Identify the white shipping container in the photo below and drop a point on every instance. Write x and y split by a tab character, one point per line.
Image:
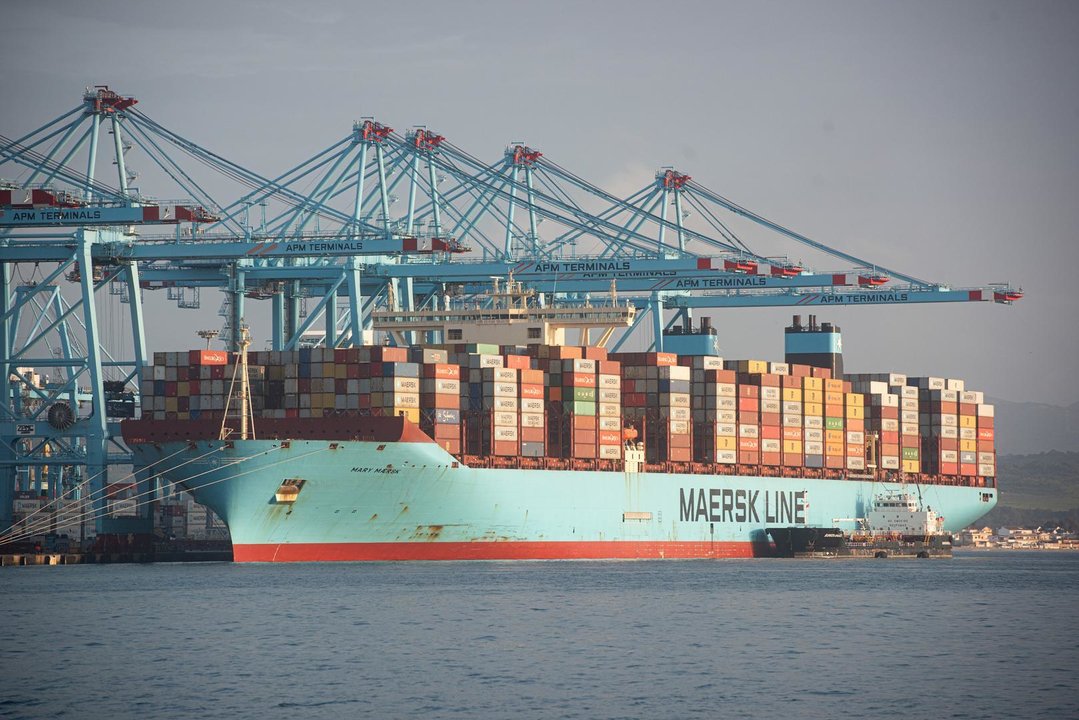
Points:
727	416
609	382
505	433
748	431
508	419
909	404
679	413
986	458
790	420
769	393
609	423
771	406
814	421
968	433
855	463
610	452
854	437
889	462
986	411
955	384
531	405
779	368
727	457
814	448
726	429
573	365
814	435
609	409
675	372
504	404
532	419
770	445
791	407
948	432
500	389
889	425
909	416
609	396
987	470
909	428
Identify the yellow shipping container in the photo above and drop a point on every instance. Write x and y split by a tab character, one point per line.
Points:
833	385
792	395
340	372
911	466
834	449
328	370
833	398
834	436
170	404
855	399
968	421
813	408
183	389
968	446
793	447
855	413
812	383
814	396
724	442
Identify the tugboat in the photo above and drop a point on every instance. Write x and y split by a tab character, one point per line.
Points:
895	526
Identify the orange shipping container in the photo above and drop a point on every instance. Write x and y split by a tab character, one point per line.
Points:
207	357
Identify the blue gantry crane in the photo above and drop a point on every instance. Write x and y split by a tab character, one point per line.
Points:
379	219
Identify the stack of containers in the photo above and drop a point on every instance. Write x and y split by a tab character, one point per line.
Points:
835	445
500	402
576	385
882	418
656	395
968	425
792	409
854	418
813	421
768	420
440	400
749	408
939	425
909	437
987	456
395	383
609	409
714	410
530	407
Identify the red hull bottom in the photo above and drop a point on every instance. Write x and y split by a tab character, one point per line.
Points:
514	550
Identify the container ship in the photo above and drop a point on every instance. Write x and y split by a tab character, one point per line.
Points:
546	450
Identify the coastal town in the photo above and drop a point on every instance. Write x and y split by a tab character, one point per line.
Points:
1018	538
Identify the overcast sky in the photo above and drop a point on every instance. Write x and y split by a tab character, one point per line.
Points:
941	139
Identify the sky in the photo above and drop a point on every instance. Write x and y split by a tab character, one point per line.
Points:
936	138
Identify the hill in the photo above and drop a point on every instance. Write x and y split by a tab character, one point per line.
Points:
1037	489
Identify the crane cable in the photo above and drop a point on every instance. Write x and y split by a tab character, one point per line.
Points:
95	514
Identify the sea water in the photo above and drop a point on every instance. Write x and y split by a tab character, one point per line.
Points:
985	634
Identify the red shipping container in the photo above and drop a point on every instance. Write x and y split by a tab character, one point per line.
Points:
517	362
985	446
340	356
535	392
773	432
442	371
609	367
194	387
170	389
720	376
889	437
303	385
533	434
364	370
821	373
985	434
383	353
183	404
183	373
748	391
450	445
584	422
855	425
634	399
968	409
505	448
292	413
610	437
594	353
792	433
446	431
340	387
582	437
889	449
968	469
749	418
531	377
679	454
771	419
578	380
745	443
554	394
749	457
748	404
680	441
835	462
793	459
207	357
441	401
771	458
584	451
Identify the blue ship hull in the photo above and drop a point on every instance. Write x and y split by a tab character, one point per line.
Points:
361	500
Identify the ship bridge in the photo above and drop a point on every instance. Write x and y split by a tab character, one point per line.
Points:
509	314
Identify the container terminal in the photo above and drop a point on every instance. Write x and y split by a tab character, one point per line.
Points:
510	322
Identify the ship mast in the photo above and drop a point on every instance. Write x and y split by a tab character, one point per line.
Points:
246	408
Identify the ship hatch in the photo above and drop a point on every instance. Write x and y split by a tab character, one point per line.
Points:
289	490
